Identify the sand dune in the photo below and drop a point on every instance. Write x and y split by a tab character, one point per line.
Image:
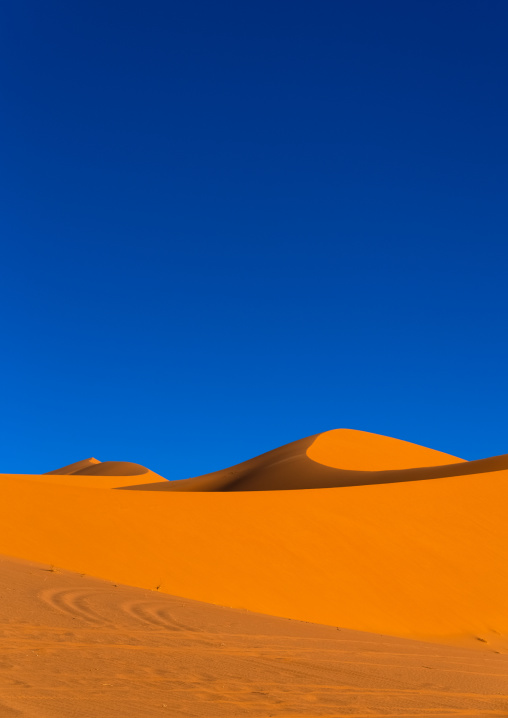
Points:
75	468
100	474
75	647
93	467
333	459
411	558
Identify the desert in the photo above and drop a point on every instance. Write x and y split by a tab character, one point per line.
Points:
343	574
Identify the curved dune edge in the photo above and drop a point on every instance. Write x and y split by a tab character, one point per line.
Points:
93	467
92	473
76	468
295	466
365	451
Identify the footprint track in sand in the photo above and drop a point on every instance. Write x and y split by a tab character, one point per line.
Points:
73	602
76	603
149	613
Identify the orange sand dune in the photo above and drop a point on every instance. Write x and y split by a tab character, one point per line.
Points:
334	459
99	474
413	558
93	467
76	468
78	647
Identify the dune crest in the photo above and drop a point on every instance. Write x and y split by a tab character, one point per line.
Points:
364	451
93	467
99	474
331	460
75	468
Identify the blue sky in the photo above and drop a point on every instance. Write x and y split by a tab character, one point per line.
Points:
227	226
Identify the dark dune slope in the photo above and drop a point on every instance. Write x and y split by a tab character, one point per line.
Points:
92	467
290	467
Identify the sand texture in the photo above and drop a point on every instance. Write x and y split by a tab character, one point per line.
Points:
346	529
75	647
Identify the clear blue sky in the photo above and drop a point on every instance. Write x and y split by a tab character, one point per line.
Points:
229	225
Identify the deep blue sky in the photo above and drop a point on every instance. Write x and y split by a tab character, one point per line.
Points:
229	225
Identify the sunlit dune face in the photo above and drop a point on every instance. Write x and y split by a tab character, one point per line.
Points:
362	451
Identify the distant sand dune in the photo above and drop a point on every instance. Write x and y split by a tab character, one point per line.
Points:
75	468
93	467
332	460
99	474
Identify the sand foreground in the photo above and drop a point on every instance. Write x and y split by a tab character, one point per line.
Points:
75	647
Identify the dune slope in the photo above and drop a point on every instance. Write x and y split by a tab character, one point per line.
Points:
333	459
100	474
75	647
420	559
93	467
76	468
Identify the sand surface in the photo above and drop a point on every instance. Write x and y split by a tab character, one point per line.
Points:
76	647
404	541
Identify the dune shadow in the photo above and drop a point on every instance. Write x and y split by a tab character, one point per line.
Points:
288	468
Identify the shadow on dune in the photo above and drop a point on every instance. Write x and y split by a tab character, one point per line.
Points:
289	468
93	467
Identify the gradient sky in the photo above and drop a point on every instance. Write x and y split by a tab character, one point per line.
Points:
230	225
